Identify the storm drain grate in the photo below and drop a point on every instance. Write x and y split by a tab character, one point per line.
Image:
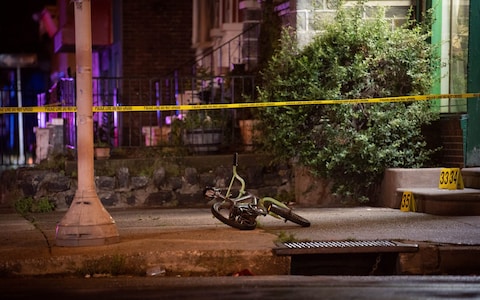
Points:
339	244
318	247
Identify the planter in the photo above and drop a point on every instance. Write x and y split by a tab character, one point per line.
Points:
155	135
249	133
101	153
203	140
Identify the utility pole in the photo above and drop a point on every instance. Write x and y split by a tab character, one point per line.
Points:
86	222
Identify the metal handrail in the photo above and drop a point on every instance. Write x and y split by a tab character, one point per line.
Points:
194	63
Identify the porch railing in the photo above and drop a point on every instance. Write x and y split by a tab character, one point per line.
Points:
132	129
240	50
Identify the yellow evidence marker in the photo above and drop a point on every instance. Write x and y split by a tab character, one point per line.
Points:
451	179
408	202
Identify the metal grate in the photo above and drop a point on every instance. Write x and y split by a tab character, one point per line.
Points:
329	247
339	244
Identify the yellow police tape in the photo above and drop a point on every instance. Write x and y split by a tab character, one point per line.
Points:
59	109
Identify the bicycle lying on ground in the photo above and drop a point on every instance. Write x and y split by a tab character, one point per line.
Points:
241	208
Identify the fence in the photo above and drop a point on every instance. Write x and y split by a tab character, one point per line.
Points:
132	129
140	129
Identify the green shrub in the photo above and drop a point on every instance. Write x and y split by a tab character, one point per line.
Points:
113	265
351	143
23	206
28	205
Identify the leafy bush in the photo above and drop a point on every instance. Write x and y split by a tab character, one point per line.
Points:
112	265
27	205
352	144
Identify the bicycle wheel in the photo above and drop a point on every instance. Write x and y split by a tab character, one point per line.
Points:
223	212
289	215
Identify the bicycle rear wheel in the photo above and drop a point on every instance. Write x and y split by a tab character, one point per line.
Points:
223	212
289	215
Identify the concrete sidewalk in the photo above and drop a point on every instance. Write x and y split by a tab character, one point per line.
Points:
190	242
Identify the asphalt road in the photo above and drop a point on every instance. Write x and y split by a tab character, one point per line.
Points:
248	287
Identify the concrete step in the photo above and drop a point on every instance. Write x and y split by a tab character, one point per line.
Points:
435	201
429	198
471	177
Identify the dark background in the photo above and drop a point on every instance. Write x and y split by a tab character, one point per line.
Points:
19	32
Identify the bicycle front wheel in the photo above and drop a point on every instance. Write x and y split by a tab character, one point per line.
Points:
289	215
223	212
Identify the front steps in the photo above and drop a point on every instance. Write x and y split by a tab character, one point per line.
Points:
429	198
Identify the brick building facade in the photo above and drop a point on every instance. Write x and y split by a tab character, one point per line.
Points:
156	36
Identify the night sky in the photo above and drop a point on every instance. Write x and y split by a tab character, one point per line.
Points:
18	31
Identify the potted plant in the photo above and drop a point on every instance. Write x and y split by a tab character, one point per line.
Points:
249	125
203	130
250	132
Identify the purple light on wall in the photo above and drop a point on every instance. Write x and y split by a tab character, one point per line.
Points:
115	118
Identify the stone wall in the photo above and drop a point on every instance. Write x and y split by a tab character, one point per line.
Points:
165	182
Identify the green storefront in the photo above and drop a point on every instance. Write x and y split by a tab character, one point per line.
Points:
456	33
473	86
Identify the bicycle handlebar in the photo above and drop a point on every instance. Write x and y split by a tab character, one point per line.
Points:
236	176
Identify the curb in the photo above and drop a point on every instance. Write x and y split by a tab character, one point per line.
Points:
171	263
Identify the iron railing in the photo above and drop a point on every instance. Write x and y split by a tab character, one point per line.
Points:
132	128
154	128
241	51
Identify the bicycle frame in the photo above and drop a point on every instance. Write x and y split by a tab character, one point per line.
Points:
256	201
242	210
237	177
